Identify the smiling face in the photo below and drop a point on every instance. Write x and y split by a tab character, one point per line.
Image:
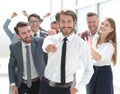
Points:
92	22
34	24
106	27
66	24
25	34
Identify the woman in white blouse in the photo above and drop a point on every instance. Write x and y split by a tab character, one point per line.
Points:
104	53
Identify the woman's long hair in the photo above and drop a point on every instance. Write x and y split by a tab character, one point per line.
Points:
112	37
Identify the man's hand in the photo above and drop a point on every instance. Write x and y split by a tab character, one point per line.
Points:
46	15
52	32
25	13
73	90
13	15
51	48
14	90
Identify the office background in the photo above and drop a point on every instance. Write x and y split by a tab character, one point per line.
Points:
104	8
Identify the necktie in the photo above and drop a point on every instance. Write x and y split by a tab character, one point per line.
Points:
63	57
29	82
35	34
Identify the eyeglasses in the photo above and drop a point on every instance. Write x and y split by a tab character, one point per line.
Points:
34	21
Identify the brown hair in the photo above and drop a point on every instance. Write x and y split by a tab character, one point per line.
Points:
36	16
20	24
53	22
89	14
66	12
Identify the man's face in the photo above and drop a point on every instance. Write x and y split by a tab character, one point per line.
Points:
55	27
34	24
25	34
92	24
66	24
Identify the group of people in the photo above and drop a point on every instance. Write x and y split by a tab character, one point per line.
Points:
102	42
95	48
34	21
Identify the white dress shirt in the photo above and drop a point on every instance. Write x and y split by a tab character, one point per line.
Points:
77	53
37	34
34	73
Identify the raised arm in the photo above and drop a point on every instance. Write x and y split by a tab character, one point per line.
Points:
6	25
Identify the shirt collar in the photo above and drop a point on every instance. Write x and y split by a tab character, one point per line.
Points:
23	44
70	37
38	33
94	34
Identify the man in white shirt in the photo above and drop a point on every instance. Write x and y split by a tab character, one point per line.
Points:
77	52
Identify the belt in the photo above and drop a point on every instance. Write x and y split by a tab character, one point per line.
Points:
33	80
59	85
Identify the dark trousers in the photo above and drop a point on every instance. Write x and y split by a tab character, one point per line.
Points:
46	89
101	81
34	89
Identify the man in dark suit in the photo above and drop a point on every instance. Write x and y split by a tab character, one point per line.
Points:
17	67
34	21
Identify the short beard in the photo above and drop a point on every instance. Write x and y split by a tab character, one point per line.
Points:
27	41
66	33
